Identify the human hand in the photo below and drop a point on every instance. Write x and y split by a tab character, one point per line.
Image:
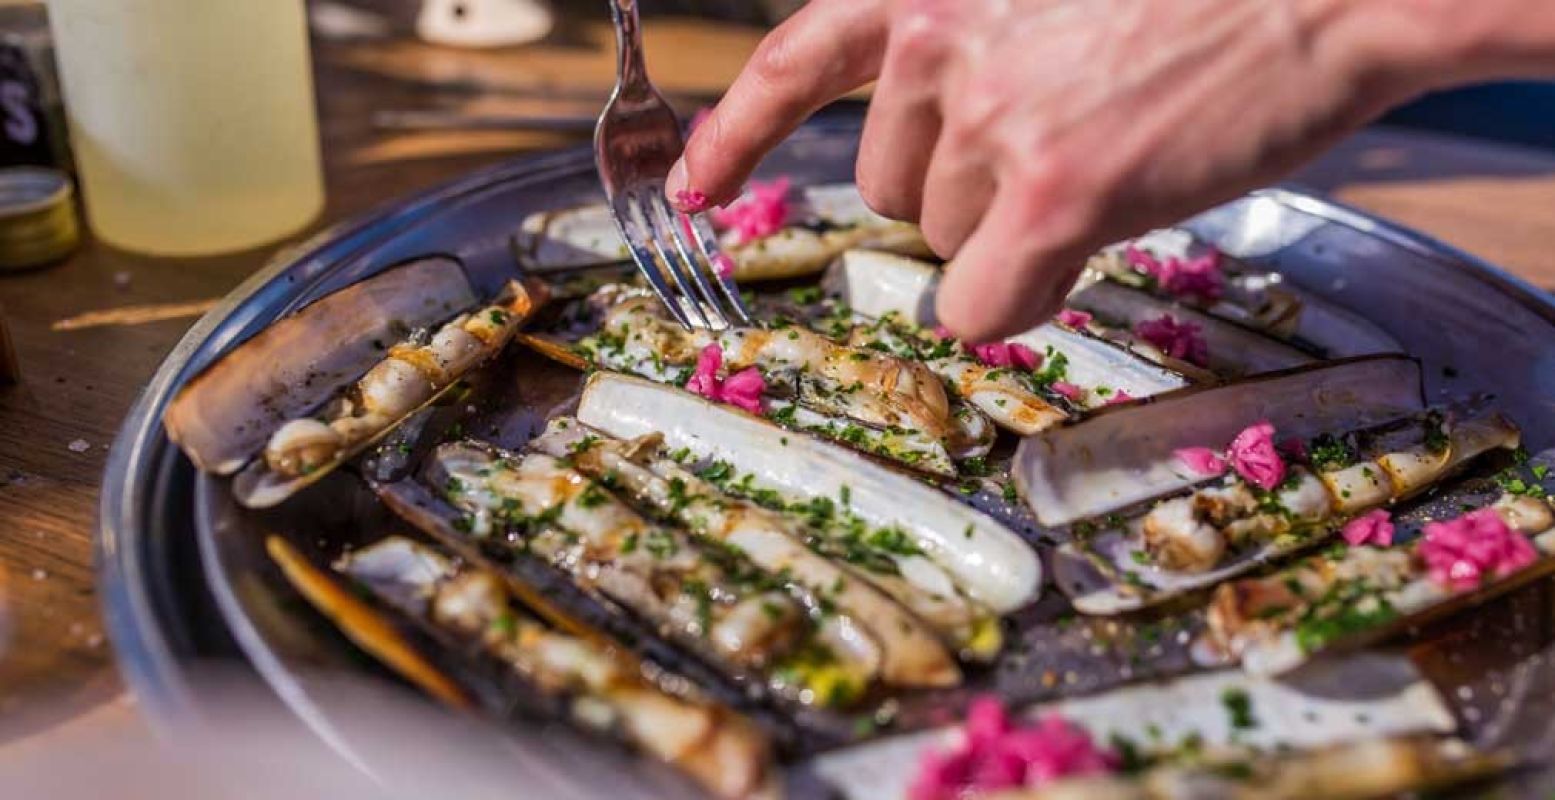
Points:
1024	134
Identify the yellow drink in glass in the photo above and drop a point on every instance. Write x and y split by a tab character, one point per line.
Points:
192	121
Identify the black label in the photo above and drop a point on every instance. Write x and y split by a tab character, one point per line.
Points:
24	135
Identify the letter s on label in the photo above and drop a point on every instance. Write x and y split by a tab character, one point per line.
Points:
20	123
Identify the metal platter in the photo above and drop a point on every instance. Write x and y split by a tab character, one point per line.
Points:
186	582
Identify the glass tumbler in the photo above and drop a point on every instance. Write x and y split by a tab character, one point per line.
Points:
192	121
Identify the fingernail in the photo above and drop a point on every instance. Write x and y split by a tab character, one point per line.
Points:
675	182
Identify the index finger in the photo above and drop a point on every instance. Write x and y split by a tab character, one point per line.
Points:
828	49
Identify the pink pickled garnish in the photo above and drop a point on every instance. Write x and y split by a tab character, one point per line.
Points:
1198	278
1181	340
1142	261
743	389
1119	396
1464	552
691	201
1253	456
1007	354
1201	460
723	265
1067	390
942	332
995	754
1073	318
1024	357
704	379
760	214
1375	528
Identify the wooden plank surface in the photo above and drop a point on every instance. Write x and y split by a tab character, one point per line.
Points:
56	425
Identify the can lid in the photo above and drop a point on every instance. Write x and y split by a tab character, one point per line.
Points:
37	217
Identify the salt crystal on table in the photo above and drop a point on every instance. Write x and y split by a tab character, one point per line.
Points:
79	446
121	279
39	574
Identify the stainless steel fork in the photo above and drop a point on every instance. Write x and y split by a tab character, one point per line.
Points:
635	143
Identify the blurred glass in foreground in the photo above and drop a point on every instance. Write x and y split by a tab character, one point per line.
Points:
192	121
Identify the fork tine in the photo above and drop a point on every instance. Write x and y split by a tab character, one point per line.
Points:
625	223
707	242
660	239
679	226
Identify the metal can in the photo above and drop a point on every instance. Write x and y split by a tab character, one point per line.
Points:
37	217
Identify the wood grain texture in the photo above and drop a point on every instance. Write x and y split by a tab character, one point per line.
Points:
56	424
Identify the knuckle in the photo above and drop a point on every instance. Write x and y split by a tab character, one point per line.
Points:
919	38
775	58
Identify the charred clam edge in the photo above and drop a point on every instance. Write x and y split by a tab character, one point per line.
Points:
486	331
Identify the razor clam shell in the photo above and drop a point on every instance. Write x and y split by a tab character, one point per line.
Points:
1094	592
988	561
1124	455
586	236
224	415
257	486
1094	362
876	284
1334	702
1233	349
1337	331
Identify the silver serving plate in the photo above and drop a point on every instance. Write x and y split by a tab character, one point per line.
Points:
186	584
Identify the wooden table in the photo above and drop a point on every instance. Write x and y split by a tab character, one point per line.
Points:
56	426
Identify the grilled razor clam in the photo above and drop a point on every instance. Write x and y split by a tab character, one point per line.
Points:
824	221
413	374
1276	623
956	548
604	688
1180	544
1254	297
998	393
853	614
871	387
756	529
709	601
223	415
874	402
891	301
1355	771
1119	457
